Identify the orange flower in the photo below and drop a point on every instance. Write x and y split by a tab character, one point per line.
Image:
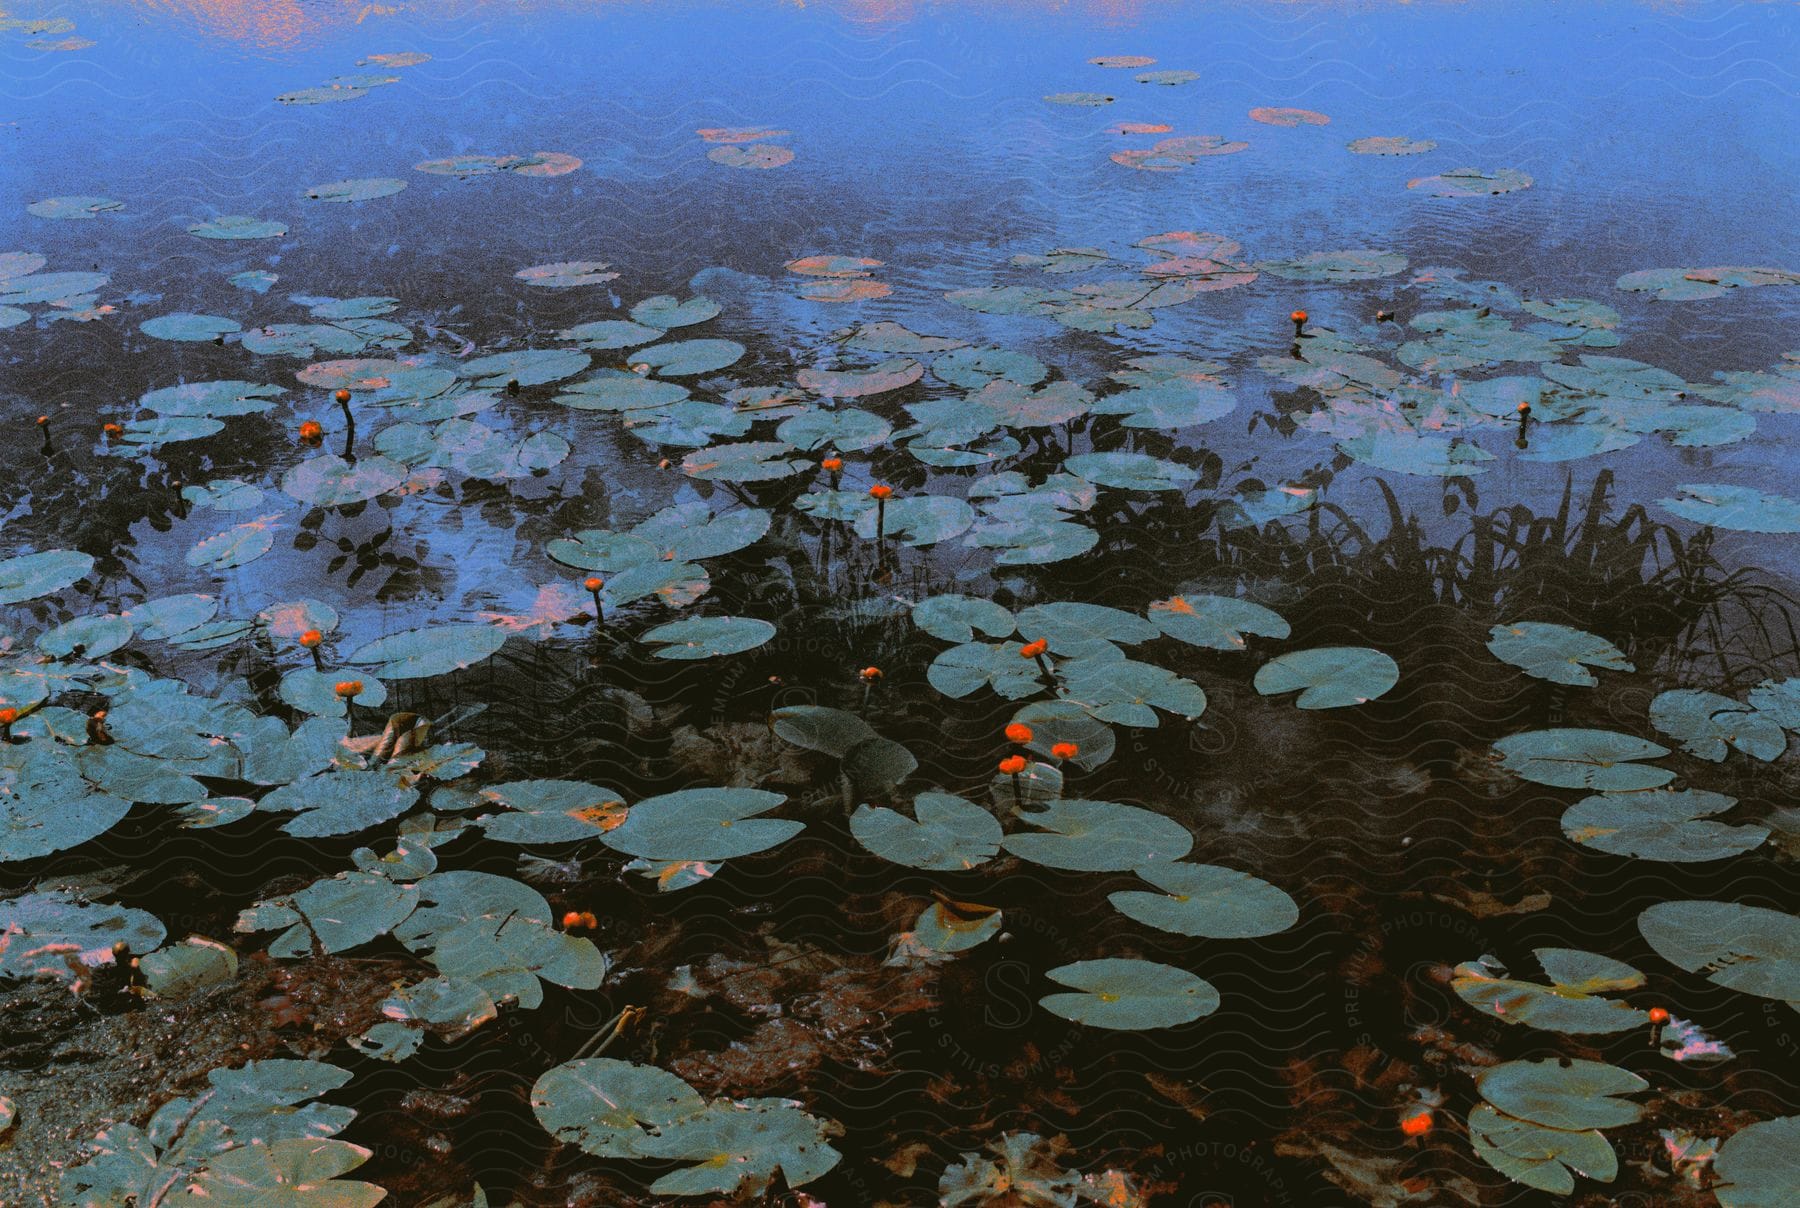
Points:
8	716
1012	765
1031	650
834	464
880	491
1018	732
42	420
593	583
1659	1015
113	430
1298	316
311	431
342	396
1524	408
869	674
311	638
589	920
1417	1124
1065	750
571	920
349	688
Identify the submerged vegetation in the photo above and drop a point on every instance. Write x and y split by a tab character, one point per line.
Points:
655	751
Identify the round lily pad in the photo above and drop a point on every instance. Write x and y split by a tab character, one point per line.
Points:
702	824
708	637
437	650
74	207
365	189
1207	900
238	226
190	327
1663	824
1329	677
1129	995
949	834
1584	759
1555	652
1098	836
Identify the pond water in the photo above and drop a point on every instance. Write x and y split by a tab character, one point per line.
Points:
1433	361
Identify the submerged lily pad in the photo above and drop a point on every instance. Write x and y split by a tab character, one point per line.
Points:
1129	995
1355	264
1329	677
74	207
330	481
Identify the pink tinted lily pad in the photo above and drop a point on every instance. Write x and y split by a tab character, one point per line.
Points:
844	291
1139	128
755	155
833	266
1277	116
726	135
1121	60
1391	145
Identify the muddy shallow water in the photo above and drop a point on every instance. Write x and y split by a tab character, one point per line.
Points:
1356	470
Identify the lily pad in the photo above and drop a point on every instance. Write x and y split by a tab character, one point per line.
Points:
1743	509
1747	948
1131	471
1545	1158
755	155
1759	1165
238	226
43	928
330	481
1584	759
1207	900
365	189
28	576
1215	622
949	834
702	824
437	650
1555	652
1706	724
664	311
1567	1094
708	637
1098	836
74	207
1472	182
1329	677
1570	1003
567	274
1129	995
1391	144
1278	116
1662	824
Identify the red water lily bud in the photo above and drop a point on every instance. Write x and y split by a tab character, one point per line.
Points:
1659	1015
571	920
593	583
1018	732
113	430
1031	650
1417	1124
869	674
8	716
342	396
1012	765
311	638
311	432
349	688
880	491
833	464
1065	750
1298	316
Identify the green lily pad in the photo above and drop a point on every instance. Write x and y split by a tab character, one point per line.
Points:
340	913
74	207
567	274
708	637
1662	824
1584	759
1568	1094
1098	836
1329	677
339	803
957	618
315	692
94	637
949	834
1695	284
189	327
1391	144
665	311
1088	100
1570	1003
29	576
1129	995
365	189
759	156
437	650
1545	1158
1131	471
1215	622
605	334
529	367
1743	509
746	461
49	807
1207	900
1128	693
238	226
889	375
1759	1165
920	519
330	481
845	431
1167	79
212	399
702	824
1745	948
1706	724
42	928
236	546
973	368
1555	652
48	287
293	1173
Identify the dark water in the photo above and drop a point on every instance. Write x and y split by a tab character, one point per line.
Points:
1656	136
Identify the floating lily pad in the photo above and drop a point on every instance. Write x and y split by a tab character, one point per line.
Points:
1098	836
42	928
1567	1094
949	834
605	334
1745	948
234	547
74	207
1662	824
550	811
957	618
183	326
747	461
1277	116
920	519
437	650
753	155
1571	1002
1167	79
1129	995
1706	724
1085	99
1694	284
1131	471
1329	677
1584	759
28	576
48	287
1391	145
860	383
365	189
1759	1165
1555	652
567	274
1545	1158
684	358
529	367
326	94
330	481
1743	509
1215	622
1207	900
708	637
1472	182
238	226
339	803
702	824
